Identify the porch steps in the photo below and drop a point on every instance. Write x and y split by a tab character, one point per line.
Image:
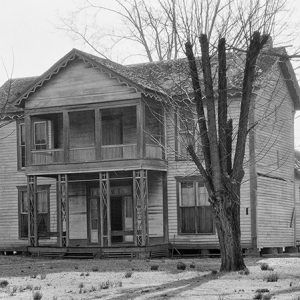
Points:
78	255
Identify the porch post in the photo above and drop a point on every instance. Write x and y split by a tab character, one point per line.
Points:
62	210
66	132
140	118
32	210
105	224
165	207
140	195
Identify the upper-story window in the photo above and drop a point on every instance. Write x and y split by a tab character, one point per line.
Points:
194	211
40	135
21	145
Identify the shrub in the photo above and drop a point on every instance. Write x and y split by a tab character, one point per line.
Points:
265	267
154	267
244	271
43	276
37	295
214	272
181	266
81	285
272	277
192	266
128	274
29	287
95	269
3	283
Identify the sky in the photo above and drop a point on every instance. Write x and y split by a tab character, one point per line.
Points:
31	40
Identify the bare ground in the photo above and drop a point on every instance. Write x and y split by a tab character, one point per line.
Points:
134	279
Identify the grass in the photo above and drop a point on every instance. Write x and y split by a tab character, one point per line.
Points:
154	267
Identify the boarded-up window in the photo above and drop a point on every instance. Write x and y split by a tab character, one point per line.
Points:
195	215
43	217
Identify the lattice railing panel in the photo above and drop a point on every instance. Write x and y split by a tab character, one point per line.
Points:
62	194
32	210
141	196
105	237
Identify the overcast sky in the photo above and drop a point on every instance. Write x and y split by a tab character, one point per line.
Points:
31	41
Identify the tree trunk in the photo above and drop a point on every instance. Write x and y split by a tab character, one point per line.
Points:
226	210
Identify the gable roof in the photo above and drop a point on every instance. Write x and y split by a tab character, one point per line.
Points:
157	78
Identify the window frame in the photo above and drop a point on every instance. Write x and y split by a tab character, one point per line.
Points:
196	180
23	188
20	162
46	135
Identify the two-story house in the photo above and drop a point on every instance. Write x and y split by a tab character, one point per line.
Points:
92	158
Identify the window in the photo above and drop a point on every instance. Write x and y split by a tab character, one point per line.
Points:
43	215
187	132
40	135
195	215
21	146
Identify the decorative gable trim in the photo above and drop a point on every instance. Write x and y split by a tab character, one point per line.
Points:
71	56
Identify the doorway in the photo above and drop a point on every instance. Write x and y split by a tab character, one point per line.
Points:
116	219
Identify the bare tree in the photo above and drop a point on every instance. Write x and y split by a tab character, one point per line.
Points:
159	30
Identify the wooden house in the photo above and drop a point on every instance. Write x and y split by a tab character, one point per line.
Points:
91	158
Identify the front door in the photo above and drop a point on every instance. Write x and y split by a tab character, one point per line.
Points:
117	219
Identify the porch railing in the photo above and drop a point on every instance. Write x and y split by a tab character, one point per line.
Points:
126	151
82	154
49	156
154	151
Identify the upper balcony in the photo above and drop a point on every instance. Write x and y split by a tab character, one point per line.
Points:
98	134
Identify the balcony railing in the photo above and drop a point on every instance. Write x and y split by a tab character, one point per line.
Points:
49	156
88	154
82	154
127	151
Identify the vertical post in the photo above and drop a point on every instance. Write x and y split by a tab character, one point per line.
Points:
98	134
66	132
105	227
32	210
140	118
141	196
134	208
165	207
63	211
28	137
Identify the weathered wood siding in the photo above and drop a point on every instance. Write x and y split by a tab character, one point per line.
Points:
155	204
274	144
10	178
79	84
297	210
187	168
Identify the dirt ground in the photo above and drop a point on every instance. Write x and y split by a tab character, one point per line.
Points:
26	277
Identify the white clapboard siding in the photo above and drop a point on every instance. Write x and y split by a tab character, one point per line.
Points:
10	178
297	209
187	168
155	204
274	146
79	84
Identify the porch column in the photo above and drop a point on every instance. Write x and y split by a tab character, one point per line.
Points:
66	132
62	210
140	198
32	210
165	207
140	118
105	224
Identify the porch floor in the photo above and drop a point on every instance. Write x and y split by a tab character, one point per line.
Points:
124	251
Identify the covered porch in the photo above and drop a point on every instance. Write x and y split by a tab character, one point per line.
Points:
103	210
